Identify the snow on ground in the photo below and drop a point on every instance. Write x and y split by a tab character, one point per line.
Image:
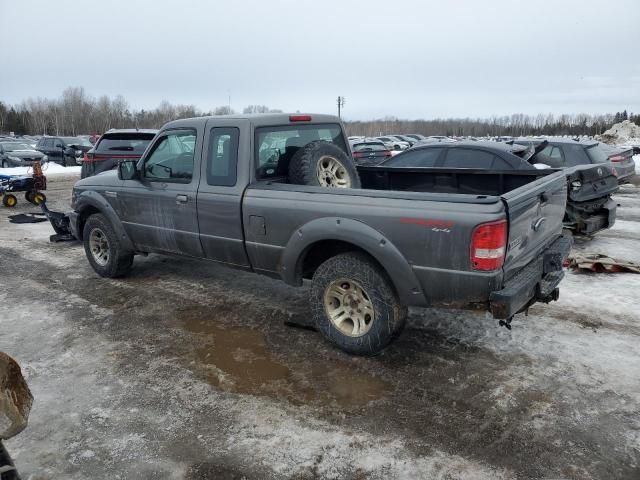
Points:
50	169
636	158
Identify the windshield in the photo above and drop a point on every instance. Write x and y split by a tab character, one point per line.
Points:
596	154
11	147
368	147
276	145
83	142
124	142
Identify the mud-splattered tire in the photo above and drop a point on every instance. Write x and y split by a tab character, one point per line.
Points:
103	249
355	270
323	164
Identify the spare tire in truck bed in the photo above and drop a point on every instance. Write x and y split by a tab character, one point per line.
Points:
323	164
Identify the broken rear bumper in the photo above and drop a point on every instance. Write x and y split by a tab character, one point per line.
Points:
537	282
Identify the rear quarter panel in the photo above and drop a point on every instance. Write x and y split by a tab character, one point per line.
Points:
432	232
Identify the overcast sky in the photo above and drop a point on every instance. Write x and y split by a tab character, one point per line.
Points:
406	58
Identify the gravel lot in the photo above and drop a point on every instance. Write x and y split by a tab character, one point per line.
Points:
187	370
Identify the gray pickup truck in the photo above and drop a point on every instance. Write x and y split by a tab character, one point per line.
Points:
251	192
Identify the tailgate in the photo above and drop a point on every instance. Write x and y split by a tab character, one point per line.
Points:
535	212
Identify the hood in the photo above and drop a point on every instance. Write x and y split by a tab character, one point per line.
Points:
103	179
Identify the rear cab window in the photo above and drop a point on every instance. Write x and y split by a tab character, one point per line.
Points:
122	143
276	145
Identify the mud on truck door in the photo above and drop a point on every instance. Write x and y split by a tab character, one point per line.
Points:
159	209
222	184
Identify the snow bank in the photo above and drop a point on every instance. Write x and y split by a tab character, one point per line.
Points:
623	133
49	169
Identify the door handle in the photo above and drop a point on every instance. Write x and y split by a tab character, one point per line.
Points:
181	199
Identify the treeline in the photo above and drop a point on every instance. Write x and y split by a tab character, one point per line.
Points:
511	125
76	113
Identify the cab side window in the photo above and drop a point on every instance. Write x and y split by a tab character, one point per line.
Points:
222	161
171	158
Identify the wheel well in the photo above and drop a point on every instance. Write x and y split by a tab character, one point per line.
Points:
319	252
85	213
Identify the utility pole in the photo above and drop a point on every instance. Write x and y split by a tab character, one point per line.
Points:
340	102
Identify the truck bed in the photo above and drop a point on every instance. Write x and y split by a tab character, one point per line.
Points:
427	216
447	180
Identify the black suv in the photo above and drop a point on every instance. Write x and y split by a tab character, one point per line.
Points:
114	146
64	150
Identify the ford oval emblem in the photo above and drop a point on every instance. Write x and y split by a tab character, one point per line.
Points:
599	171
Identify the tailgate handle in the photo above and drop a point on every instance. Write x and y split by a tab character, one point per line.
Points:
538	224
544	197
181	199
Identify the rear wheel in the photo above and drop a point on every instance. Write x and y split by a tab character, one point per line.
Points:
103	249
28	196
9	200
355	305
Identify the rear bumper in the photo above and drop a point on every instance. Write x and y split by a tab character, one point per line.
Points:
537	282
592	223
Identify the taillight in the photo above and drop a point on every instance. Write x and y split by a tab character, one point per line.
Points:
387	153
358	154
488	245
299	118
85	157
617	158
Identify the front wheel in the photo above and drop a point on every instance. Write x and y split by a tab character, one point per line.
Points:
355	305
103	249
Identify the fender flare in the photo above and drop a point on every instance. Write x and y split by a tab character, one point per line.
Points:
360	235
93	199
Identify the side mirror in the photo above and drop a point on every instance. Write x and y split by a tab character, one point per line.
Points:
127	170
